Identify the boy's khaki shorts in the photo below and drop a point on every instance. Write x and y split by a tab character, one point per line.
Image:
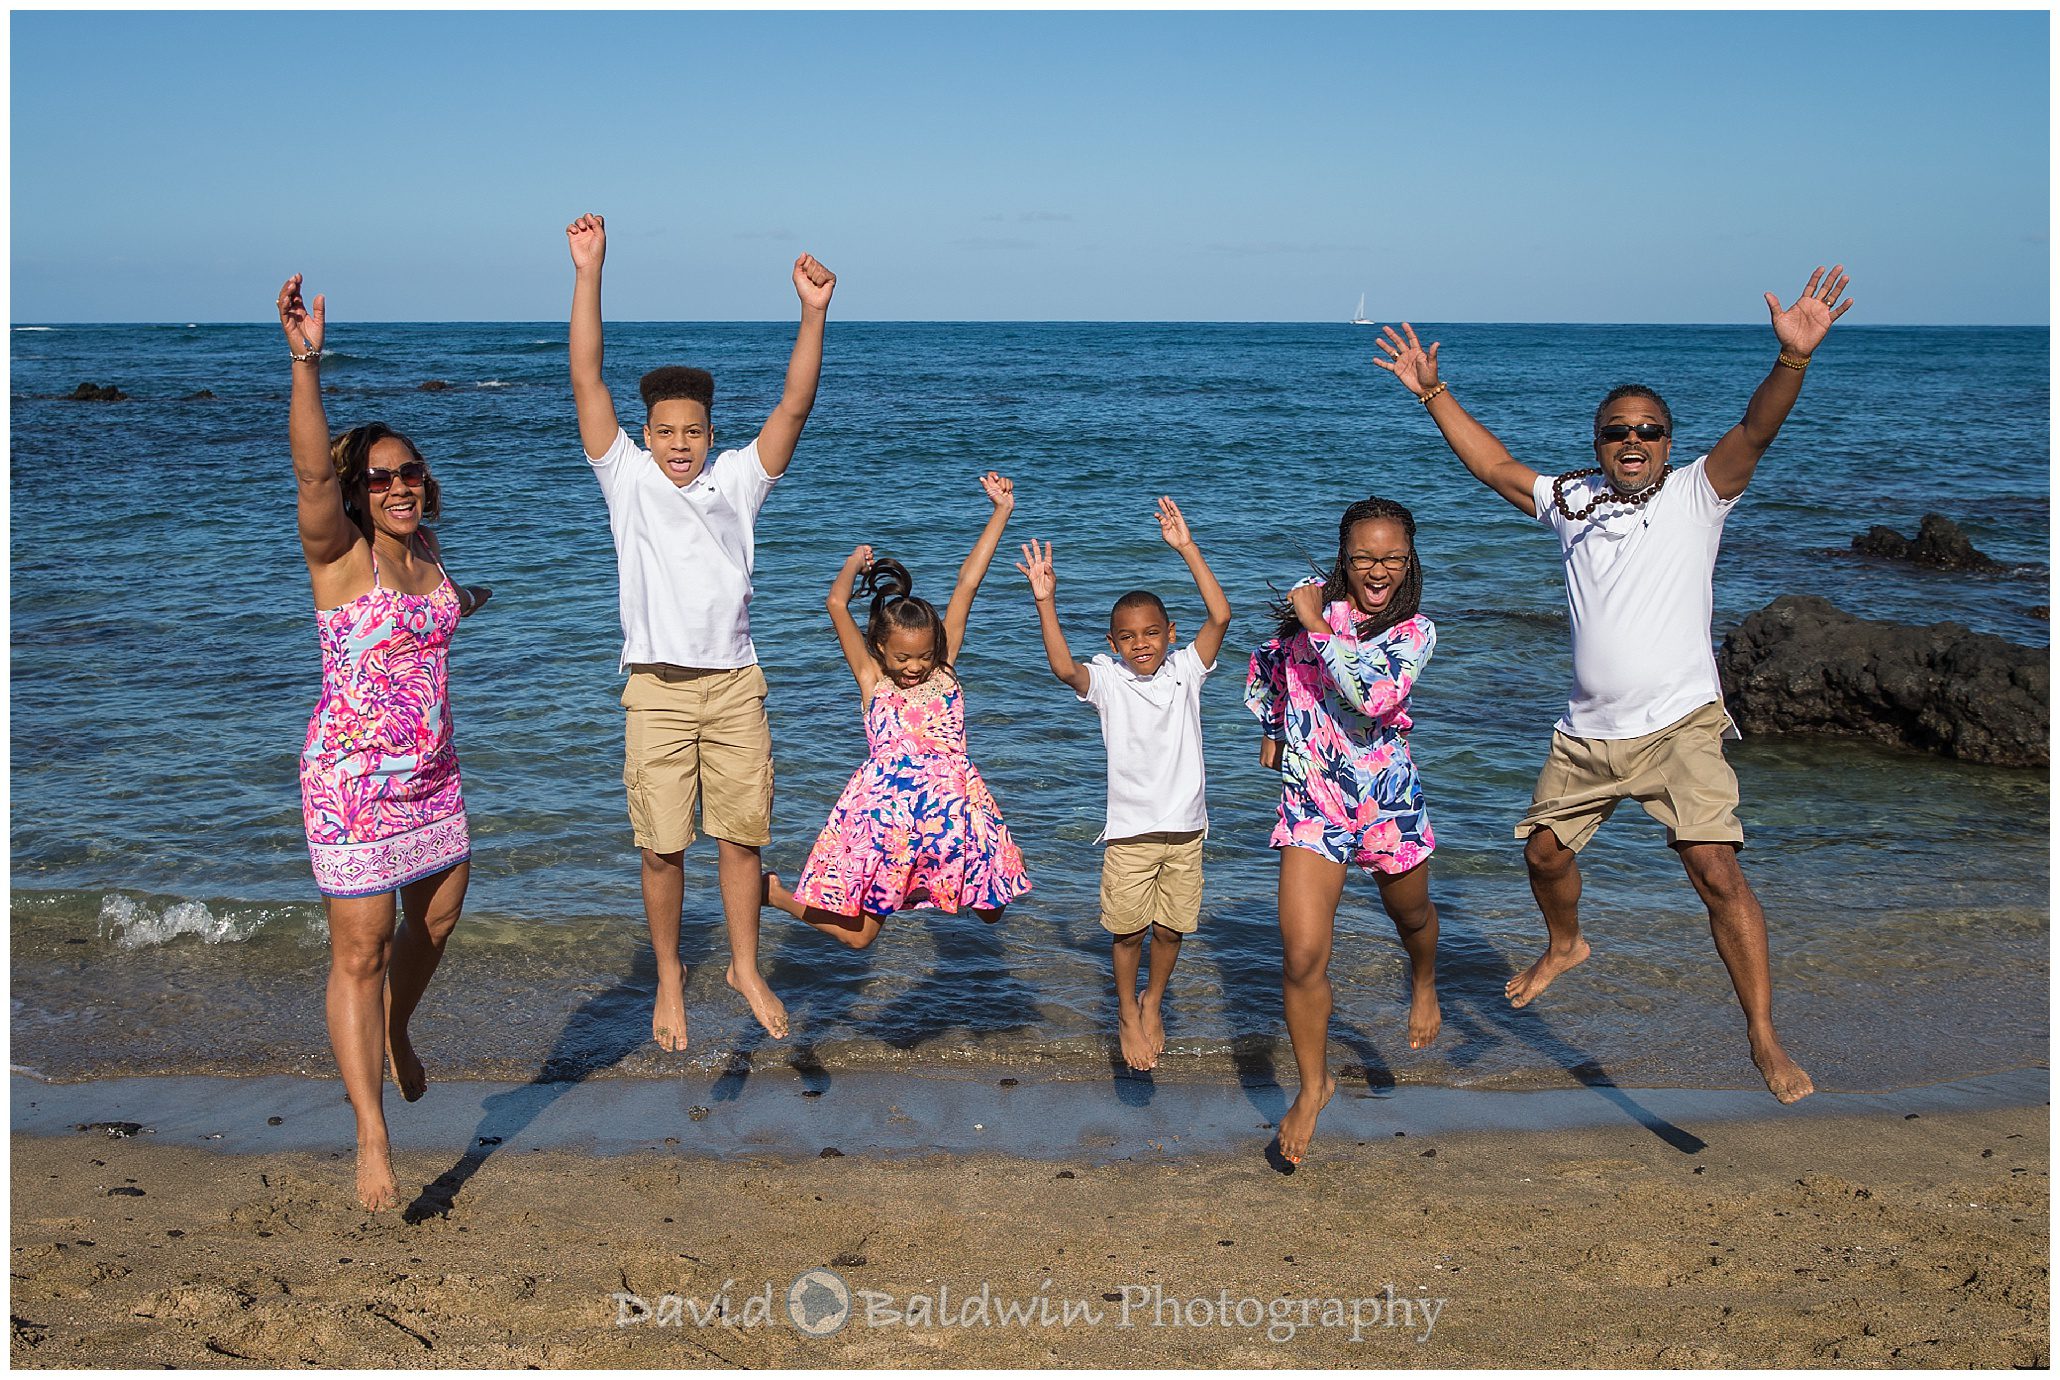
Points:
1152	879
1677	773
690	735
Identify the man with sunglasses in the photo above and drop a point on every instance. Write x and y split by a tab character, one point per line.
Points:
1645	719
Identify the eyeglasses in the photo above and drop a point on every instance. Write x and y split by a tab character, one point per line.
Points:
414	474
1617	431
1390	565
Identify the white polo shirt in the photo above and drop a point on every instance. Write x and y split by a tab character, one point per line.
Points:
683	555
1152	727
1639	598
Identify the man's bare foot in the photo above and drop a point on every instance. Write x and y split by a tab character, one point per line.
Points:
1154	1026
776	895
376	1191
1785	1078
669	1012
408	1073
1137	1046
1299	1122
1524	988
1425	1019
769	1009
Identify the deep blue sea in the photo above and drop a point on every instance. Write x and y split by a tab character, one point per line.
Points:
164	663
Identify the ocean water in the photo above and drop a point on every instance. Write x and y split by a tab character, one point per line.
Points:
164	663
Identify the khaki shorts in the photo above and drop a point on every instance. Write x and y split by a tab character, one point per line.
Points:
1678	774
691	735
1152	879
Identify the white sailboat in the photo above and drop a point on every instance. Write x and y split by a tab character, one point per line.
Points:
1359	317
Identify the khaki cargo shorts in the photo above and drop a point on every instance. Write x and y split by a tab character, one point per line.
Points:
697	735
1677	773
1152	879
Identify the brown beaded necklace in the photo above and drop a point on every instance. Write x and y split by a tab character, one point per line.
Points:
1608	494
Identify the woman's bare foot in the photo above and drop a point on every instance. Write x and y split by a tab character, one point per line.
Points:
769	1009
1425	1019
1785	1078
1154	1026
376	1191
669	1012
408	1074
1137	1046
1524	988
779	897
1298	1124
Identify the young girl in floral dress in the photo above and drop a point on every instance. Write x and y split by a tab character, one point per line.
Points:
916	826
1331	691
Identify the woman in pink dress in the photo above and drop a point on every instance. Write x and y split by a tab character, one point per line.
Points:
916	826
379	782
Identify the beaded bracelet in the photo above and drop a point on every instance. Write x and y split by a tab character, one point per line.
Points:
309	358
1796	364
1425	398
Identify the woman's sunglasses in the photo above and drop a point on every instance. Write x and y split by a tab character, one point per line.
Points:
1617	431
414	474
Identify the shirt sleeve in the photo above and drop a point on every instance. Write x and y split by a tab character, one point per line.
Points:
1375	677
1703	500
610	462
1266	688
1541	499
742	476
1204	669
1098	673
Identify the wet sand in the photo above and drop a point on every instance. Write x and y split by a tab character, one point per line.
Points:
1863	1234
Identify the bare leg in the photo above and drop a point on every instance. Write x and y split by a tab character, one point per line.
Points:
664	891
1125	953
1556	882
1406	897
1165	953
1740	928
360	943
430	908
737	868
852	931
1309	890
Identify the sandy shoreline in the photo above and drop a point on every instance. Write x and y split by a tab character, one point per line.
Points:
1682	1238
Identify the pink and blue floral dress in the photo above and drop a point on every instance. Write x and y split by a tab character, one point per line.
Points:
1339	707
916	825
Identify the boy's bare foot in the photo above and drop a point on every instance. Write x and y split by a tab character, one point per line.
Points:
774	893
1154	1027
1425	1019
1524	988
1785	1078
376	1191
669	1012
1299	1122
408	1073
1137	1046
769	1009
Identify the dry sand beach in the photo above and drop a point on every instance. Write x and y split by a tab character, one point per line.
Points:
1893	1238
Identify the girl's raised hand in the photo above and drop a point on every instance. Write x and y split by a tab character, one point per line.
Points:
1001	492
1172	526
1036	567
587	238
860	558
302	324
1307	602
1409	361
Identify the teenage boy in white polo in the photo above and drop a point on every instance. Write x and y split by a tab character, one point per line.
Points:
694	708
1645	720
1150	704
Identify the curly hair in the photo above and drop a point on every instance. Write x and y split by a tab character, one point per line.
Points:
677	381
1408	594
350	455
889	583
1633	390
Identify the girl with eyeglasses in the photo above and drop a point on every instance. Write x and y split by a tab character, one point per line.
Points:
380	794
1331	691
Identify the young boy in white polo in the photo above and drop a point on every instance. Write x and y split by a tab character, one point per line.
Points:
1150	704
694	708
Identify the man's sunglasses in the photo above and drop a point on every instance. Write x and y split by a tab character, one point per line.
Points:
414	474
1617	431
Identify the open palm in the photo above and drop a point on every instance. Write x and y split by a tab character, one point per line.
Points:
1801	328
1407	359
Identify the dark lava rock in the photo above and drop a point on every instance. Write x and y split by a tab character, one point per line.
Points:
1803	665
433	386
113	1130
204	395
93	392
1940	544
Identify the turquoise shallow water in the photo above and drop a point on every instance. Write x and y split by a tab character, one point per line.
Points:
164	662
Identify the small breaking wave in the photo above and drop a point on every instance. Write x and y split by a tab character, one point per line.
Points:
35	328
132	924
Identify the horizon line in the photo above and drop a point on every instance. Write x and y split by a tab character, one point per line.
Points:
1026	321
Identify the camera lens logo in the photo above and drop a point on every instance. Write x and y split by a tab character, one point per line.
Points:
819	1303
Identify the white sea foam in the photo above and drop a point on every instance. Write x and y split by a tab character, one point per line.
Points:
133	925
494	383
35	328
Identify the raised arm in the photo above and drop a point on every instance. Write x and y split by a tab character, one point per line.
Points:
1485	457
587	238
863	668
1002	494
1173	527
1373	680
782	431
326	535
1799	330
1044	587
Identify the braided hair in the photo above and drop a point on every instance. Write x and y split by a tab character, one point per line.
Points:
889	583
1408	594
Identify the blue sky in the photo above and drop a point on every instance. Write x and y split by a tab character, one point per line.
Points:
1057	166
